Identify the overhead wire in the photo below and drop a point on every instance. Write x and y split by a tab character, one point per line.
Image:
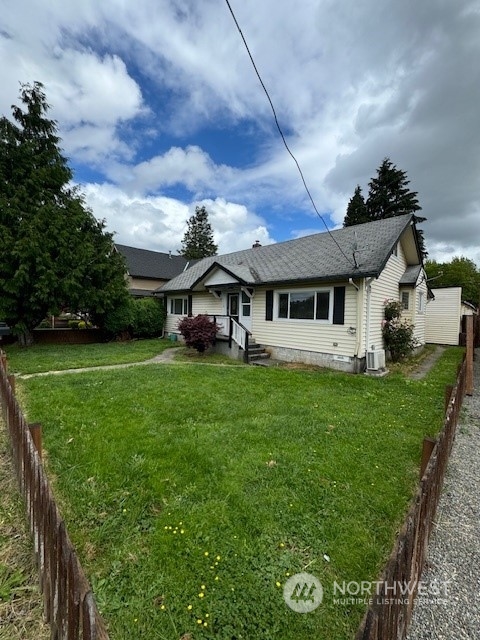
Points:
283	137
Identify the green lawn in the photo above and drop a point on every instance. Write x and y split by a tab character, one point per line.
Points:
46	357
193	493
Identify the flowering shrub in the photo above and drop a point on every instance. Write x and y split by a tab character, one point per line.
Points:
397	333
199	332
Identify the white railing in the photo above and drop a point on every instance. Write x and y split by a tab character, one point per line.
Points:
223	322
239	334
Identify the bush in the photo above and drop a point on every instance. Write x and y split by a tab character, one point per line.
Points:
148	318
199	332
139	318
397	333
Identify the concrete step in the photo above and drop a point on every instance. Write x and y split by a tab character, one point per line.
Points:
261	355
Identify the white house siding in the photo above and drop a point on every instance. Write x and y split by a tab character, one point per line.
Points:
202	303
384	287
443	316
295	339
207	303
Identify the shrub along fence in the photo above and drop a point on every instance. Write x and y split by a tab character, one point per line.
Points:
390	613
70	608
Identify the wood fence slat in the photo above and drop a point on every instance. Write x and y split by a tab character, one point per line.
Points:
69	605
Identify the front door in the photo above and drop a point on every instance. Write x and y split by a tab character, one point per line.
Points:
233	304
240	308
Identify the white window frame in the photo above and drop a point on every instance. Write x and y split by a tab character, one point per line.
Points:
422	304
403	301
184	300
276	306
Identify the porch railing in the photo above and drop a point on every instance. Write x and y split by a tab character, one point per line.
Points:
239	334
233	330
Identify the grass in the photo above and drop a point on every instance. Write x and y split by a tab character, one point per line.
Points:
193	493
21	609
40	358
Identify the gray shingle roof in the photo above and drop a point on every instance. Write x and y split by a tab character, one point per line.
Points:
142	263
314	257
410	276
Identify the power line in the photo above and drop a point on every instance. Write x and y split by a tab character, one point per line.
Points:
283	137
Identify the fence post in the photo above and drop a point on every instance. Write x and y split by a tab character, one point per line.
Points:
36	433
448	394
11	381
427	448
469	357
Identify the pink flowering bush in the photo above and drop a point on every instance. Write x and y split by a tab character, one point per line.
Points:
397	333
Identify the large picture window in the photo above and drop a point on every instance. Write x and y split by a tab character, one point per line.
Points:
305	305
179	306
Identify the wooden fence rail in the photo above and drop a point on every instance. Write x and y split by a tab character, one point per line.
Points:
389	615
70	608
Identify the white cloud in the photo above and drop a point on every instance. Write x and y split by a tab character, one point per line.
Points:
351	82
159	223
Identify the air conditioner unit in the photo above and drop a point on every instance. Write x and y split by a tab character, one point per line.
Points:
376	360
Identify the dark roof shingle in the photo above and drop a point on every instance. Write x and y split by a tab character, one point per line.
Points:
142	263
315	257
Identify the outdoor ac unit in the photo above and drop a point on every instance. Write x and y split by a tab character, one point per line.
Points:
376	360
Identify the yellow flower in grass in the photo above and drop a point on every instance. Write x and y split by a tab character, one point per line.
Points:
201	595
189	607
199	621
279	584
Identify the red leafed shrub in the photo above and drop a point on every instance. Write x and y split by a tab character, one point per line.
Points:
199	332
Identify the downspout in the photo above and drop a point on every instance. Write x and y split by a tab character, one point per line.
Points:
359	318
368	283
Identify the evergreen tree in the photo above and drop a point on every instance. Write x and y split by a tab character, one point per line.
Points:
389	194
356	210
53	252
198	239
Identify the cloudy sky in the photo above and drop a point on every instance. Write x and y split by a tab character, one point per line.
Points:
159	110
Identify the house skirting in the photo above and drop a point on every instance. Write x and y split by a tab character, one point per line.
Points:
235	352
349	364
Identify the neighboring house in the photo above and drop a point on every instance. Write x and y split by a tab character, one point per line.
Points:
148	270
318	299
445	316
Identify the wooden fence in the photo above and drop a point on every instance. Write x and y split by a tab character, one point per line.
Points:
70	608
389	615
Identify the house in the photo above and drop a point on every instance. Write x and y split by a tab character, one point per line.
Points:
148	270
445	316
317	299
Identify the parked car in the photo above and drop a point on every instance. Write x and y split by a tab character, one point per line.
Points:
4	329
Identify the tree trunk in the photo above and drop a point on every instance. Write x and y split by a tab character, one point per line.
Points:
25	339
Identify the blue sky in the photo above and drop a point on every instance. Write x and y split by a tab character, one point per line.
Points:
159	110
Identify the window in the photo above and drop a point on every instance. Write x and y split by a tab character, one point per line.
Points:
305	305
421	302
405	300
246	305
179	306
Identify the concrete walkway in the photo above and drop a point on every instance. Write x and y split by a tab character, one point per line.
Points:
426	364
166	357
453	562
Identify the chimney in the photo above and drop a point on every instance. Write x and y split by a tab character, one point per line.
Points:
170	255
256	244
